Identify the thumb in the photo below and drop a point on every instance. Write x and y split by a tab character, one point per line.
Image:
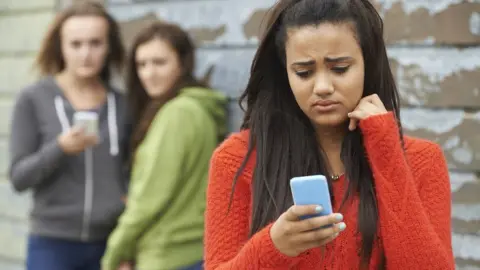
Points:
352	124
76	130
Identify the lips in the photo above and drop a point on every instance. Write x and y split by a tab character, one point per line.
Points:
324	106
325	103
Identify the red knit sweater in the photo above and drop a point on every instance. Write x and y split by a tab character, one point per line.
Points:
413	193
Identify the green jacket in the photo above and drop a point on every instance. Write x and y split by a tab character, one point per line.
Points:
163	223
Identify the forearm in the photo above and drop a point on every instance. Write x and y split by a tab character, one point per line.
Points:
31	170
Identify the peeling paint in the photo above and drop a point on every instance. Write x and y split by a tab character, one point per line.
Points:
433	6
199	14
466	212
463	155
468	267
451	143
475	23
231	68
437	68
438	121
458	179
466	246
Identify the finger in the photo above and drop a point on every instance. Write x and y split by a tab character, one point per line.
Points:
375	100
323	242
77	130
295	212
318	222
352	125
358	115
322	233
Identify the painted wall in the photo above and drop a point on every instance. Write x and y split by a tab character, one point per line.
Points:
434	47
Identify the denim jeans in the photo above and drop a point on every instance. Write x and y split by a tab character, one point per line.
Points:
45	253
196	266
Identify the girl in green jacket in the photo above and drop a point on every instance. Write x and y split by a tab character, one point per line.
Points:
178	124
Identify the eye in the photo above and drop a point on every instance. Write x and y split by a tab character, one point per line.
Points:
340	70
159	61
303	74
96	42
76	44
140	64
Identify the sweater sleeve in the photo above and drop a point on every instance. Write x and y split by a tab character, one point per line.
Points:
227	243
413	201
156	175
30	161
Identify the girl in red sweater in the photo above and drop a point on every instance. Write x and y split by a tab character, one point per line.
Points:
321	99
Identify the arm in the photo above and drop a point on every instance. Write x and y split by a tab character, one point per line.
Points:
227	243
157	172
30	162
414	222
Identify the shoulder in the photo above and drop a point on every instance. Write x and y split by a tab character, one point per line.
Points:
33	90
233	151
176	116
181	106
417	147
422	155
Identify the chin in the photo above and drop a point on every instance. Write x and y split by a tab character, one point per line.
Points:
87	73
155	93
332	120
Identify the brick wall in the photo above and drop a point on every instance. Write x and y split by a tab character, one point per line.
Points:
22	25
434	46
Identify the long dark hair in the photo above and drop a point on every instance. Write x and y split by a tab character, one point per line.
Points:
144	108
283	136
50	59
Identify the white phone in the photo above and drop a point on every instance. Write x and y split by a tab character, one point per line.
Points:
87	120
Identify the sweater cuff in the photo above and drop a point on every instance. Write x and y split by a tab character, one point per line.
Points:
270	256
379	124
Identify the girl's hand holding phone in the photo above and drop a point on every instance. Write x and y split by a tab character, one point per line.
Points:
76	140
291	234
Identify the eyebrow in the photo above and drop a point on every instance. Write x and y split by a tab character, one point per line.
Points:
304	63
327	59
337	59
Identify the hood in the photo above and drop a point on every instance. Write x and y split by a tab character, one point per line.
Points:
214	102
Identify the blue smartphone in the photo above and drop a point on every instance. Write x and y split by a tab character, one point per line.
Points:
313	189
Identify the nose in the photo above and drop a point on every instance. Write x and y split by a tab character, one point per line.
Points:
147	71
85	51
323	85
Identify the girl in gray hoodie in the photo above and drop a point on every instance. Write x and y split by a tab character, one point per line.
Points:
77	178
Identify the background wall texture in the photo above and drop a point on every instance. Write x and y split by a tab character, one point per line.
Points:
434	47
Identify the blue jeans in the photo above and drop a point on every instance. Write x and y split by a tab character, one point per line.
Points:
45	253
196	266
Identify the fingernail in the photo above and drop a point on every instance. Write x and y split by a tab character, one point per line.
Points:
339	217
318	209
342	226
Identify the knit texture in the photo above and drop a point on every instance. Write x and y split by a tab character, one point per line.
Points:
413	193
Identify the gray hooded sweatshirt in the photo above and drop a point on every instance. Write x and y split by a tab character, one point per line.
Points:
75	197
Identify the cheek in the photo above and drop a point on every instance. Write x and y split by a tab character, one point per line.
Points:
101	52
353	89
301	89
69	54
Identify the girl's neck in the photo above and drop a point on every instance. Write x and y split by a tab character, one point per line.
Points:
84	85
330	140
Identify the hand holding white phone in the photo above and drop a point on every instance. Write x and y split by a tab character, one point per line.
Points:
88	121
82	135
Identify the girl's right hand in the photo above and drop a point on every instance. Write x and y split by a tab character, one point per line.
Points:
75	140
291	235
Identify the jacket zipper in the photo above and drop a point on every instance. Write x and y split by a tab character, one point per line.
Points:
88	198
